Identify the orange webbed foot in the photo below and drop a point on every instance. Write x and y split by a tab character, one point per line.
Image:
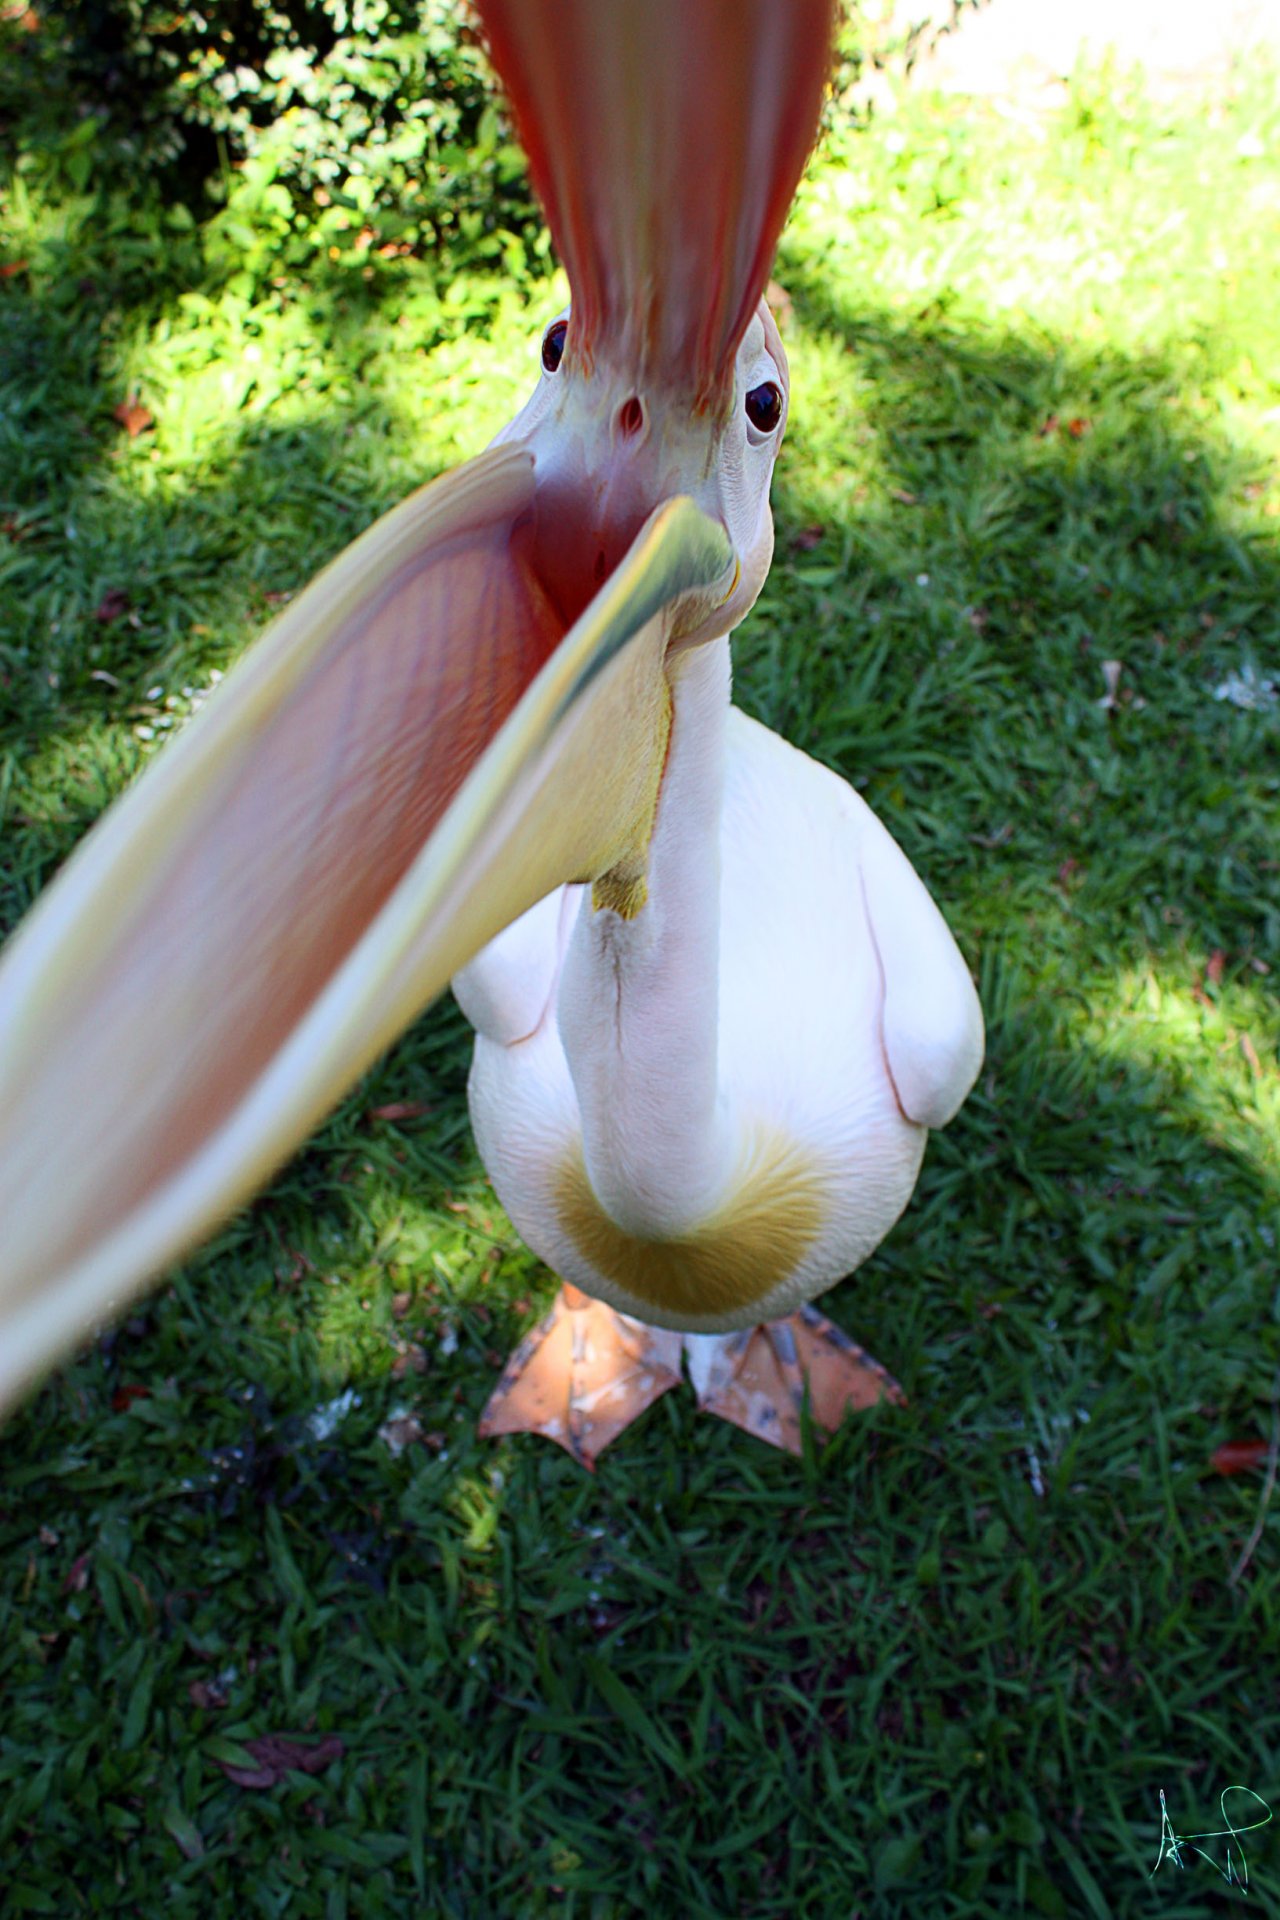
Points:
757	1379
582	1376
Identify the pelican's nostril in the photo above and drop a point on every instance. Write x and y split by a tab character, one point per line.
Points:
630	416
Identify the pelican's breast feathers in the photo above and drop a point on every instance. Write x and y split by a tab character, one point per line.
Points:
823	912
847	1025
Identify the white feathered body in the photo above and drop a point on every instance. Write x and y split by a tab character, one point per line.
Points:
708	1114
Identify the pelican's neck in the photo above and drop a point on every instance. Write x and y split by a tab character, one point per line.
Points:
639	999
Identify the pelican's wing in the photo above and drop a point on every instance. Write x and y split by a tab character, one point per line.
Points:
665	139
933	1035
411	756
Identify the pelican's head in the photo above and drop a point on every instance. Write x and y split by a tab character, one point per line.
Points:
665	139
611	445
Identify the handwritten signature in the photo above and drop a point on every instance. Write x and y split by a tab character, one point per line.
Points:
1173	1845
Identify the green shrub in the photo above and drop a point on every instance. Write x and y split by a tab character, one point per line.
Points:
322	128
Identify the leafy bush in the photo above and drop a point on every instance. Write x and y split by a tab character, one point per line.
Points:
324	128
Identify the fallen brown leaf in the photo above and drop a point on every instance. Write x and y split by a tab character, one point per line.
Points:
412	1360
207	1695
11	267
399	1432
113	603
1216	966
76	1578
279	1754
808	538
133	417
399	1110
1238	1456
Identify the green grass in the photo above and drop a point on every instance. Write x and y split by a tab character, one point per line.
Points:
945	1664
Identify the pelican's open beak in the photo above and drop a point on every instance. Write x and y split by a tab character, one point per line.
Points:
413	754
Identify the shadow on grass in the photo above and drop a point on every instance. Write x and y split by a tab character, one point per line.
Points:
955	1653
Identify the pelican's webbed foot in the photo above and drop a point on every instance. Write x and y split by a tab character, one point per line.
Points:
582	1376
758	1378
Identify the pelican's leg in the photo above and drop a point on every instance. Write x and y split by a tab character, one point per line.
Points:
582	1375
757	1379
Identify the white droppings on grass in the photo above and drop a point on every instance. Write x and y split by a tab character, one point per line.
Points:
449	1342
324	1422
1248	689
1034	1474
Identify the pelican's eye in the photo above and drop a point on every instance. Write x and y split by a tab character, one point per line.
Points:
553	344
763	403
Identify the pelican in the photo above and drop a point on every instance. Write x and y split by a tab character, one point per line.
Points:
716	1011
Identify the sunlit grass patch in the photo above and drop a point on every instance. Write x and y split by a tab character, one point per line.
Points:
946	1662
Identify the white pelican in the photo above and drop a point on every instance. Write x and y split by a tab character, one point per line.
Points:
705	1109
517	682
